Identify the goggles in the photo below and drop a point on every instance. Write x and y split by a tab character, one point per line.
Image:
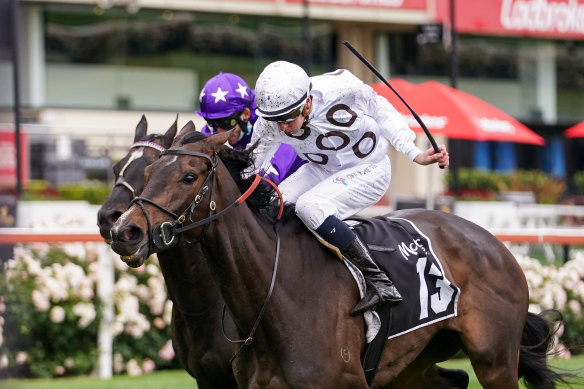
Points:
286	118
225	123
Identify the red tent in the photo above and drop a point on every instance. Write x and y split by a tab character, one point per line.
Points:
576	131
455	114
403	87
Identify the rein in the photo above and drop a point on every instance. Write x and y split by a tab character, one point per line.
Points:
168	230
248	341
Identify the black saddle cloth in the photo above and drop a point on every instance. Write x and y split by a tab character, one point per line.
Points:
401	250
405	254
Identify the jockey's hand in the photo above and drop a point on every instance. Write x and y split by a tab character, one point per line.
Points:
430	156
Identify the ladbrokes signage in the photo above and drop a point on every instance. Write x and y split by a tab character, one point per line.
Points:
542	18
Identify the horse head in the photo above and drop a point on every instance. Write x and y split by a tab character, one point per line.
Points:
178	189
129	173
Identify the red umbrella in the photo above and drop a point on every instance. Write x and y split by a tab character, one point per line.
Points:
576	131
455	114
403	87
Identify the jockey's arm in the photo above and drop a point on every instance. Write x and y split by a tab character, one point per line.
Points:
264	144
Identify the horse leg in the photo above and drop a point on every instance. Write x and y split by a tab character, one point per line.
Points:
430	377
494	357
409	360
454	378
423	373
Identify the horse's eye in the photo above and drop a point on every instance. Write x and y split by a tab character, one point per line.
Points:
189	178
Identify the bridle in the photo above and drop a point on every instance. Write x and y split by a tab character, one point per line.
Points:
164	235
121	181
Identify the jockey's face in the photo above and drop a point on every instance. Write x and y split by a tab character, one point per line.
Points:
292	128
236	135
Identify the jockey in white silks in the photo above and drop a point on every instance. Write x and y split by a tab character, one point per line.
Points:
343	128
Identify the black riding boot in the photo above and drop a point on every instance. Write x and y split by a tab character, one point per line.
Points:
380	289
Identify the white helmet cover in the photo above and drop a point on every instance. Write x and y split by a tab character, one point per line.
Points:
281	88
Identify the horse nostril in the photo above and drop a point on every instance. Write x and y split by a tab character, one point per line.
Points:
129	234
114	216
107	219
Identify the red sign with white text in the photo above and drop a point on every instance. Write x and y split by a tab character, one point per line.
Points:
399	4
8	158
562	19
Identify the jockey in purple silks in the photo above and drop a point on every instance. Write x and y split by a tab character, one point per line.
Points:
227	103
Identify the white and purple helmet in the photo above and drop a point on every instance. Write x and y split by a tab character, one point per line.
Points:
224	95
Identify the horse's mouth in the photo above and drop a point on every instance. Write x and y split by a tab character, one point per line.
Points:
128	258
133	260
136	259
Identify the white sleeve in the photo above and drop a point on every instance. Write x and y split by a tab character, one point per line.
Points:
395	128
266	133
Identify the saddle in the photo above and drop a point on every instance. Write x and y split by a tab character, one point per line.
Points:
401	250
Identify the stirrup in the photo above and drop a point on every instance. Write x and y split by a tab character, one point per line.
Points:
372	300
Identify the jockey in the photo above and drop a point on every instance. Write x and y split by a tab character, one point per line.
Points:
227	103
343	128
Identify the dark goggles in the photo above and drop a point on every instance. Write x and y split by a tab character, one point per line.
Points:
224	123
287	118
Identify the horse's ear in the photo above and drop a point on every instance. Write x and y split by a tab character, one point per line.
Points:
141	129
170	133
189	127
218	140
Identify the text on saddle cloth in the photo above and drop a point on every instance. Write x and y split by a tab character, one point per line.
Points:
400	249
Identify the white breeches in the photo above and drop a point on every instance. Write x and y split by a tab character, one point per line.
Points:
319	194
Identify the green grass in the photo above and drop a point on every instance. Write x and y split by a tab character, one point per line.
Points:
166	379
178	379
575	365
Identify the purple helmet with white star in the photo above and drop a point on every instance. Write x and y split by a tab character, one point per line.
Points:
223	95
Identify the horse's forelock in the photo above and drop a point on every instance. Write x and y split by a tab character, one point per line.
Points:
152	137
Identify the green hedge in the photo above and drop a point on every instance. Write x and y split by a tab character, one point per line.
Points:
487	184
94	193
579	182
40	190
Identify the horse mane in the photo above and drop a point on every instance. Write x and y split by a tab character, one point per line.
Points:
261	201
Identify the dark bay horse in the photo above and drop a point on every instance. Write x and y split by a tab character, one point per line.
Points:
304	337
197	307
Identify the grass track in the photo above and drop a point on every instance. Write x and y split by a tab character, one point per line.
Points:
574	365
178	379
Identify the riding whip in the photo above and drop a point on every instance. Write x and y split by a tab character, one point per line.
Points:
376	72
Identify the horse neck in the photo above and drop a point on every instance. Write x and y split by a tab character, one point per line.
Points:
188	279
240	248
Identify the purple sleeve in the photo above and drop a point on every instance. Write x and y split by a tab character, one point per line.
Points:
242	143
207	131
284	163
